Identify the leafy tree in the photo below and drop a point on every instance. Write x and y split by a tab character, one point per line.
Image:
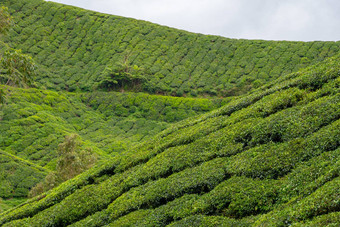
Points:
18	68
2	97
122	76
71	161
6	20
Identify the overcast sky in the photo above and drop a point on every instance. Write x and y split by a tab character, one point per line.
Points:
304	20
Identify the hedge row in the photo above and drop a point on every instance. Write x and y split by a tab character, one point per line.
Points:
152	107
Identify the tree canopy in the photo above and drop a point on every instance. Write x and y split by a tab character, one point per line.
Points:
18	68
5	20
122	75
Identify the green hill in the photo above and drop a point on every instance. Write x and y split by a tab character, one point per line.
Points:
33	123
268	158
74	46
17	177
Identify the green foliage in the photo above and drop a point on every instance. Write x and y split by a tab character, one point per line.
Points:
5	20
330	219
322	201
269	158
18	176
19	68
35	121
239	197
78	50
16	68
151	107
209	221
71	161
122	76
6	204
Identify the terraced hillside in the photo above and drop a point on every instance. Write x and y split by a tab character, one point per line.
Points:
269	158
17	175
33	123
74	47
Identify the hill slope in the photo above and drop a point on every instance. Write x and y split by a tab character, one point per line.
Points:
18	175
33	122
74	46
268	158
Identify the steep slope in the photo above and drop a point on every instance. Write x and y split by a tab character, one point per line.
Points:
33	122
269	158
74	46
18	176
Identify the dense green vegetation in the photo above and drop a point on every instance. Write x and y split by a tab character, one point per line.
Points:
120	118
18	176
10	203
71	161
16	68
33	123
269	158
6	20
74	48
151	107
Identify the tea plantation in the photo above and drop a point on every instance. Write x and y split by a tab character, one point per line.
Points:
186	129
269	158
33	123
